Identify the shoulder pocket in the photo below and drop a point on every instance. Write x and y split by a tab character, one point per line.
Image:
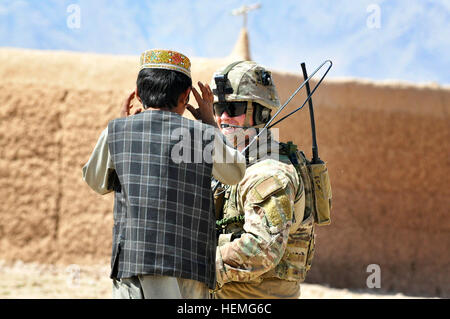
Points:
265	189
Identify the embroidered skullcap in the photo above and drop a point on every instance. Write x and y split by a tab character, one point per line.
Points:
166	59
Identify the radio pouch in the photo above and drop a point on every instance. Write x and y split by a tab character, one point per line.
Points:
316	183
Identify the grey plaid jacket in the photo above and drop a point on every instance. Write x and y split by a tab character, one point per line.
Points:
164	223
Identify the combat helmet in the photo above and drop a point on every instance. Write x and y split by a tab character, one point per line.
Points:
247	81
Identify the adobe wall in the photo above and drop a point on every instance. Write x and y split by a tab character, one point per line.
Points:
386	144
388	153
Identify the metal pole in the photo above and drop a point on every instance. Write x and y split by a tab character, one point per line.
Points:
315	150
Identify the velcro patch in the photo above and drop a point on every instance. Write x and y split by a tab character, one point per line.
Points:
267	187
278	209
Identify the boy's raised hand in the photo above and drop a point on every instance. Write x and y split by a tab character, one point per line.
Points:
126	106
205	104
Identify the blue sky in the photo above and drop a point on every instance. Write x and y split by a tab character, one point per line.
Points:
375	39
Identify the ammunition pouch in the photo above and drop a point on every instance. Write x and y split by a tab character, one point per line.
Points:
219	197
221	194
298	256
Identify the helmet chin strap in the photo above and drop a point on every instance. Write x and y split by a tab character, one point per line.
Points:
248	114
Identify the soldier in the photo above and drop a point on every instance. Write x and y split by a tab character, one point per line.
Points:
266	240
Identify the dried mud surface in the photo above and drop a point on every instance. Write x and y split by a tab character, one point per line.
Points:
38	281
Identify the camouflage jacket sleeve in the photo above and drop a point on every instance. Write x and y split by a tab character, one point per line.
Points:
266	195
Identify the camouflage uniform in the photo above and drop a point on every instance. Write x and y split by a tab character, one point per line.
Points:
267	238
266	256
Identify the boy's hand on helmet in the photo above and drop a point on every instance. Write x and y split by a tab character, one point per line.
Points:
205	105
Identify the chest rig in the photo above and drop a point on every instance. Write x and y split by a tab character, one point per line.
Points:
312	206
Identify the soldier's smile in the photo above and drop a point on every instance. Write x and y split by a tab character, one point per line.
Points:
226	119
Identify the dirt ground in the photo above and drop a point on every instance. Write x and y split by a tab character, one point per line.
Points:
38	281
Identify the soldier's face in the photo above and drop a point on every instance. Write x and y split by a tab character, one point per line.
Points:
235	120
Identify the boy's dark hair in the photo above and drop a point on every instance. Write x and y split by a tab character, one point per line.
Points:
161	88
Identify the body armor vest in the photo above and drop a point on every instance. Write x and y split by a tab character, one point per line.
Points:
299	253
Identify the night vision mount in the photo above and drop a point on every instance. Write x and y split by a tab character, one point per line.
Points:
222	88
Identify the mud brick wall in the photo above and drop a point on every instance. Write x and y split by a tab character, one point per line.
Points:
386	144
388	151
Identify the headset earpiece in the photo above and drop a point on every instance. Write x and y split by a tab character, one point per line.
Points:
261	114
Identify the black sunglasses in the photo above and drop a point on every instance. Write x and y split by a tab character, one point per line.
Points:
233	108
